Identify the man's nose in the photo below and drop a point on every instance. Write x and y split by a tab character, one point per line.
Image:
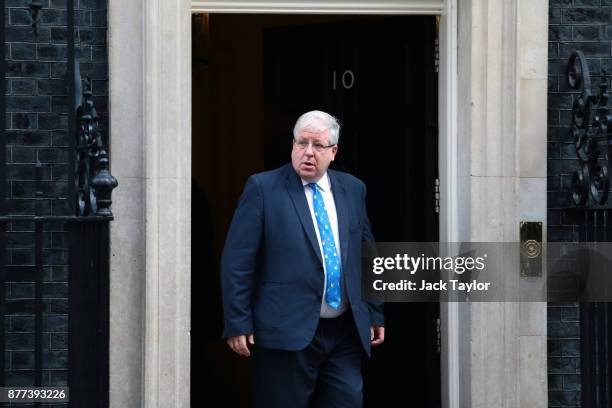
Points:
309	149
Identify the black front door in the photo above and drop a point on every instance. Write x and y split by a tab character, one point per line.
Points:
377	75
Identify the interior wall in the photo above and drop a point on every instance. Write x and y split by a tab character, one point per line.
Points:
228	110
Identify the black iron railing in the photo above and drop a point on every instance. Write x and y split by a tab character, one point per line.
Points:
87	243
589	215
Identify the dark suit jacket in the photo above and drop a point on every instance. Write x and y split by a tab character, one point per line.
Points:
271	268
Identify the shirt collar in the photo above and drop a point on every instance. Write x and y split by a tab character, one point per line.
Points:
323	184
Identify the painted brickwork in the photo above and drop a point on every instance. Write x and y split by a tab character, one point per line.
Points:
37	123
585	25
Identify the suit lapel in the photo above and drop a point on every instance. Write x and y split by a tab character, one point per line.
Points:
342	212
296	192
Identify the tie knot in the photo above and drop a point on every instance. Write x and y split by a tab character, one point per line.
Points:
313	186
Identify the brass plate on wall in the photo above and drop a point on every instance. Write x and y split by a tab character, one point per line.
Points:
531	249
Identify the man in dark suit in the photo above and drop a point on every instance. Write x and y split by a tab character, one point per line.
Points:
291	277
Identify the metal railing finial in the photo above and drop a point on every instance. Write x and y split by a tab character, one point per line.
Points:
93	181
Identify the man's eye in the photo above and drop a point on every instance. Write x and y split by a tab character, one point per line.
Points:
318	146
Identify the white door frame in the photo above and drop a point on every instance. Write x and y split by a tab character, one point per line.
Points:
447	120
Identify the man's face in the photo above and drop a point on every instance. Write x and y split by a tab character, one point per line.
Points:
309	160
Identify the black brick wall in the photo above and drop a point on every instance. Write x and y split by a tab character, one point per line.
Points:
585	25
37	124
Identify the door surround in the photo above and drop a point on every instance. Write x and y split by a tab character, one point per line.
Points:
432	7
490	157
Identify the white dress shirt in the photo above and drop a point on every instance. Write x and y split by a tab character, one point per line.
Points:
324	187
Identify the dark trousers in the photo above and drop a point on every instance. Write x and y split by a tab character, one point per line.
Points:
327	373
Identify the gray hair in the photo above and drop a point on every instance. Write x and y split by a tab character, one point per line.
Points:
318	121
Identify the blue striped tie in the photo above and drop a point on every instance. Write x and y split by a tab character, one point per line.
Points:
333	296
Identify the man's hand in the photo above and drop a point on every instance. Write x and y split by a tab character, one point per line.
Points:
239	344
377	335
